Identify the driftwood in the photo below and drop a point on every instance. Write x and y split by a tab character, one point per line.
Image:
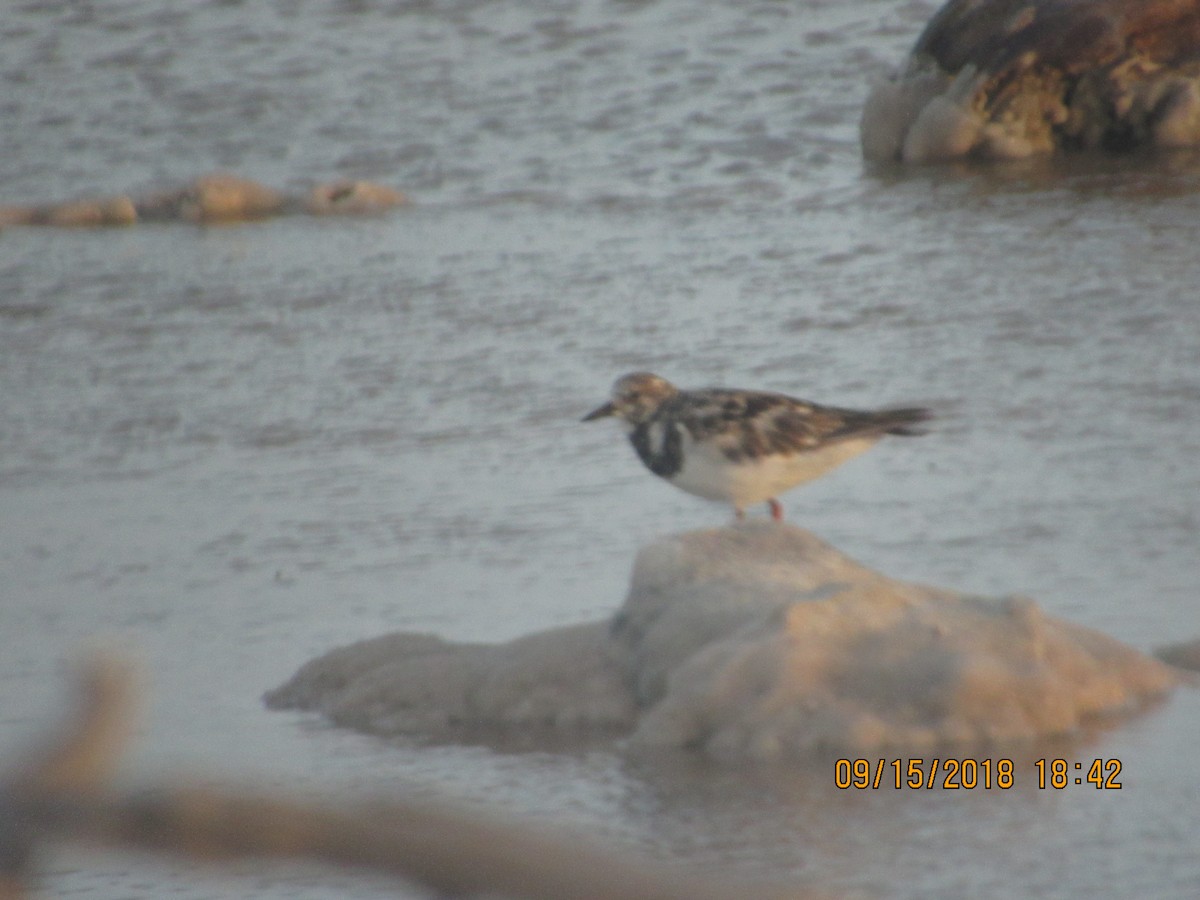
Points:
59	792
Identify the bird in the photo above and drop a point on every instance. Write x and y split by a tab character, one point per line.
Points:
743	447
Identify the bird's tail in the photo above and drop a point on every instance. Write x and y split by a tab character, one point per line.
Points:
904	422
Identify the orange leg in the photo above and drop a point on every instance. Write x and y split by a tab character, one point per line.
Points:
776	509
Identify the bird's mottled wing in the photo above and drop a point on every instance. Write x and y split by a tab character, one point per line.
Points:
744	424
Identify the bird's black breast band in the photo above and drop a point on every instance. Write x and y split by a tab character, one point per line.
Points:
668	459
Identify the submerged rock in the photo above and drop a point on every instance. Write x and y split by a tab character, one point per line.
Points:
755	641
563	680
1006	79
352	198
86	213
219	197
215	198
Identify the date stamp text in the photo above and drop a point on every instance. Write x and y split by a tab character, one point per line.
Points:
966	773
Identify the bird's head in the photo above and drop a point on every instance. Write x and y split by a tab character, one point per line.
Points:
635	398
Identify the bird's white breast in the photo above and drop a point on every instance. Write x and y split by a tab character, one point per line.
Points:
708	473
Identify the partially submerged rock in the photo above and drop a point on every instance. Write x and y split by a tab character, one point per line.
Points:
757	641
87	213
215	198
1005	79
219	197
562	680
352	198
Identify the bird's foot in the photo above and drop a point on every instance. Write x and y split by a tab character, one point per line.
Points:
776	509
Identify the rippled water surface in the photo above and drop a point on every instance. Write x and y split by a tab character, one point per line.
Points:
230	449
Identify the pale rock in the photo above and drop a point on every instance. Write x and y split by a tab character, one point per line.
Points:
753	642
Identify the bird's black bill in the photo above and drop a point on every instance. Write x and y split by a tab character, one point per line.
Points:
599	413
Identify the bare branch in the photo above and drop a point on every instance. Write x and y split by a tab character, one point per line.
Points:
60	794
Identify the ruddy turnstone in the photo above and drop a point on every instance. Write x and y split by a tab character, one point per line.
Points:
743	447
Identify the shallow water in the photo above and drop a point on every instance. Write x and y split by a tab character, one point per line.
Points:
230	449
